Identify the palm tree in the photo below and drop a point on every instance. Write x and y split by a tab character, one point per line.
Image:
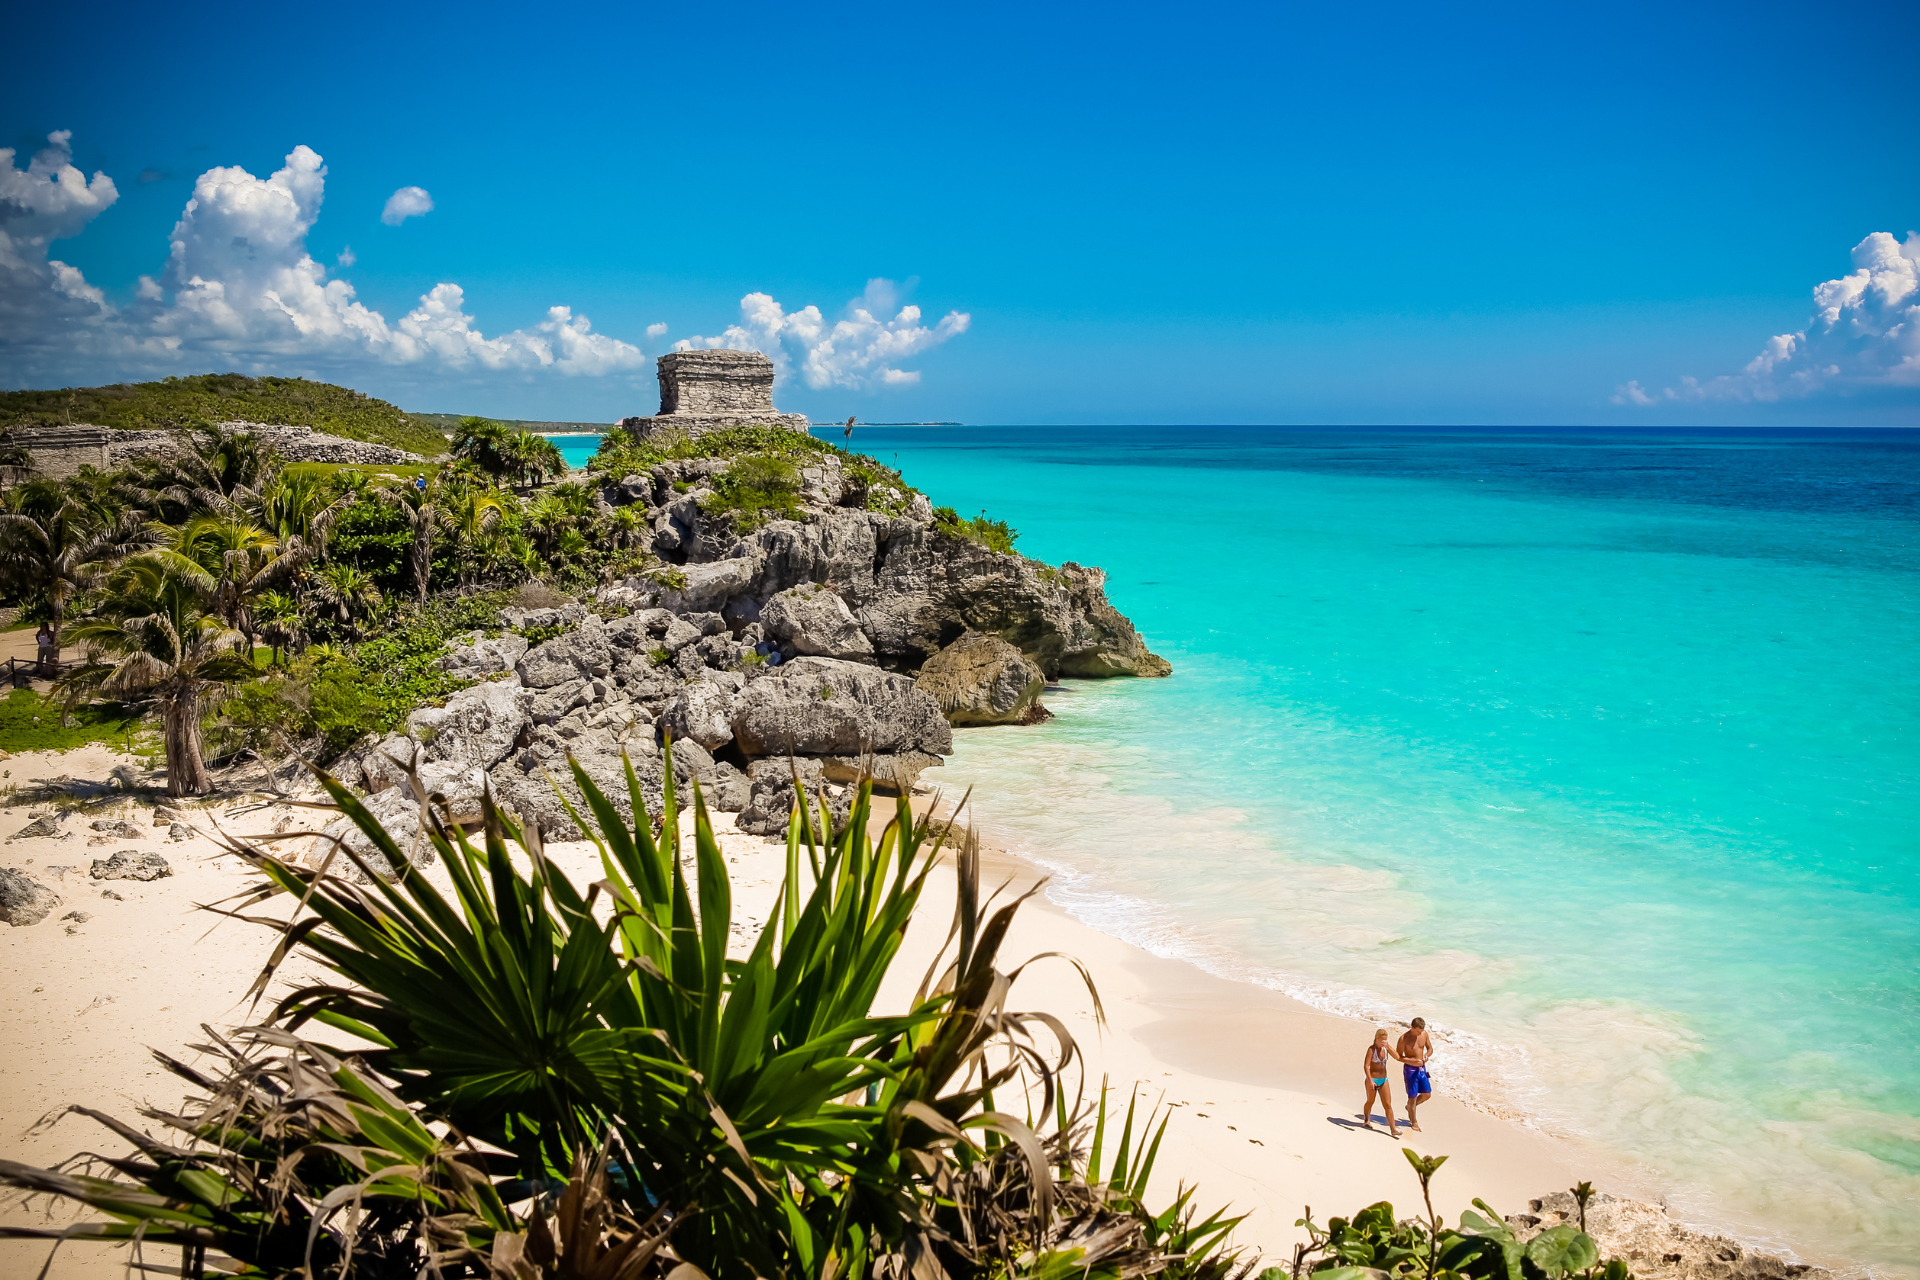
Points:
53	543
469	516
352	594
420	502
278	615
219	469
300	508
160	625
245	561
486	444
535	456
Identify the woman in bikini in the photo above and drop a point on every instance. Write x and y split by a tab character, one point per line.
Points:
1374	1067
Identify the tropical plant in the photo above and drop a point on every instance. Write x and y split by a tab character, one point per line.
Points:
350	593
217	469
421	503
486	444
535	457
53	546
469	516
245	562
167	642
1480	1248
994	535
300	508
278	617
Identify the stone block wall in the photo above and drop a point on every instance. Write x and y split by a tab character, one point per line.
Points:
716	384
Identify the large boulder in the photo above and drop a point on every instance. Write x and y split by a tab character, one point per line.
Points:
701	712
711	585
477	726
478	657
770	795
981	679
822	707
579	654
24	900
817	622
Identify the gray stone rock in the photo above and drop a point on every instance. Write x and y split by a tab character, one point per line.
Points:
980	679
24	900
700	712
163	816
117	828
179	831
476	728
548	706
132	864
821	706
728	790
816	622
541	617
78	917
711	585
1654	1245
533	783
480	657
890	771
770	796
398	814
579	654
47	824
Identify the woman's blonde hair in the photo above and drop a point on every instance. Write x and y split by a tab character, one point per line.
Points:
1382	1034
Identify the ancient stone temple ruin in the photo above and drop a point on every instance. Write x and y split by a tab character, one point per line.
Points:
702	391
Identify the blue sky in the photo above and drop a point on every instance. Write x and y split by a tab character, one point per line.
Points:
1105	213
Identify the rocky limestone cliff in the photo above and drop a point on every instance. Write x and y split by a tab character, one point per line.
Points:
766	655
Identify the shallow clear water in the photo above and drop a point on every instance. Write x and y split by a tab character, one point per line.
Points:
1598	749
576	449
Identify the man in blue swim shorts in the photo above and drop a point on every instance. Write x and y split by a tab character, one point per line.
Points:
1414	1051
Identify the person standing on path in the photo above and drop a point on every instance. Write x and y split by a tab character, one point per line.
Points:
49	656
1414	1052
1374	1067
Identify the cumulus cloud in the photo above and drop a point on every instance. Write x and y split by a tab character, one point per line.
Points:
656	331
407	202
1864	333
239	289
49	200
862	350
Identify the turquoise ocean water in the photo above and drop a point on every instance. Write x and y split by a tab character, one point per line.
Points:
1598	749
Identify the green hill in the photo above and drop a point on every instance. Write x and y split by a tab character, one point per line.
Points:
448	421
227	397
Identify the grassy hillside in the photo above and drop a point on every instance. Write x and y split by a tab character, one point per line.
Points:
217	397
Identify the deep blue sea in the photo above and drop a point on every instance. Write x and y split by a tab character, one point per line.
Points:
1597	748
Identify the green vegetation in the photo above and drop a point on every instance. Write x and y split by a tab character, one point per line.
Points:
994	535
1425	1248
621	453
758	487
30	722
226	397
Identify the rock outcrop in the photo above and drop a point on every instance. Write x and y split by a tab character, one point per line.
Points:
1654	1245
825	707
24	900
980	679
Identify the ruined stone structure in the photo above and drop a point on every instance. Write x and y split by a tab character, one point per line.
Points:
702	391
59	452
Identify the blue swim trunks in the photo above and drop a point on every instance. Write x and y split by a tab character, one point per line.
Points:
1417	1081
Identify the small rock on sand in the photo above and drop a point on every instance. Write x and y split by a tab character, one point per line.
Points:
47	824
131	864
116	827
24	900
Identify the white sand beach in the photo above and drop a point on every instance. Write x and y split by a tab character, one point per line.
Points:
1264	1092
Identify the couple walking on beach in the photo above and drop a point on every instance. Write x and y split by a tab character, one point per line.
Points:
1412	1053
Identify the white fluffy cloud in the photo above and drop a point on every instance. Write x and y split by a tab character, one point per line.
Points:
407	202
239	285
858	351
1864	333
